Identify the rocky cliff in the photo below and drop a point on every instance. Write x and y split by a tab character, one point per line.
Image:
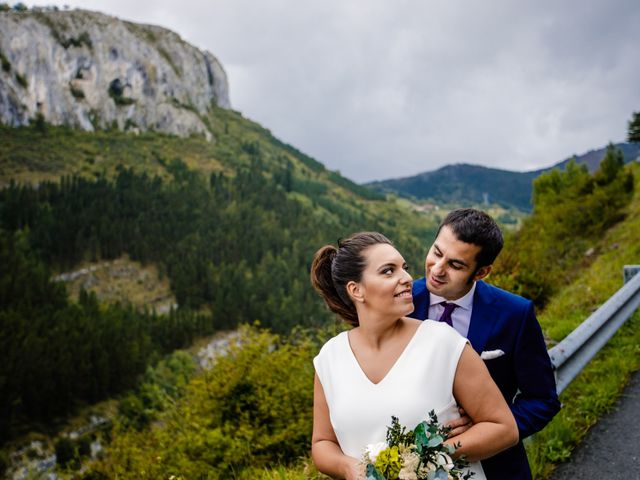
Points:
91	71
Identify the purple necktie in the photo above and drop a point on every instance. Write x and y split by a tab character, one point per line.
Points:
446	314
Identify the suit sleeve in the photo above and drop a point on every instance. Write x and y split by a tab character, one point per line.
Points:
536	402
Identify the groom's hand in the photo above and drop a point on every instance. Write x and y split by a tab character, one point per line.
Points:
461	424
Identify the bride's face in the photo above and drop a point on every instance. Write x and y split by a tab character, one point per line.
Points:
385	286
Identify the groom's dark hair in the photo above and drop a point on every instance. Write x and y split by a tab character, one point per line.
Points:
475	226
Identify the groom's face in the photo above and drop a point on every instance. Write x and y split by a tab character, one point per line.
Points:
451	266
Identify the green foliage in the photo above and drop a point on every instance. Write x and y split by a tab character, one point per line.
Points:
251	410
55	354
633	130
76	92
158	390
164	54
571	210
66	453
398	435
40	123
70	452
6	64
360	190
116	92
5	462
610	166
22	80
82	39
465	185
240	246
596	389
233	224
20	7
593	394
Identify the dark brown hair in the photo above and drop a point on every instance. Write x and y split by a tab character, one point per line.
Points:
475	226
333	268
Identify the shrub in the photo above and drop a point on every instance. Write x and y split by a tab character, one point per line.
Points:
251	410
22	80
40	124
116	91
66	452
5	462
83	39
571	210
6	64
76	92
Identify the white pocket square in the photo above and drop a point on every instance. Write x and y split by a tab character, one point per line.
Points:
491	354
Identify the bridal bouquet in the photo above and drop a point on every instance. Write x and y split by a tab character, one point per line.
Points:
415	455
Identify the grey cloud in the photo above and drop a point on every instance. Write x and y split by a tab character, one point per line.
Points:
382	89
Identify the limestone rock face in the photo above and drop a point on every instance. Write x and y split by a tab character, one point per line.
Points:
92	71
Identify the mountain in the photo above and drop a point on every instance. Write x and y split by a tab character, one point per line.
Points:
473	184
592	158
464	184
229	220
92	71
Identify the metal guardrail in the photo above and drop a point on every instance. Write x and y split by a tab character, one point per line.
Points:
573	353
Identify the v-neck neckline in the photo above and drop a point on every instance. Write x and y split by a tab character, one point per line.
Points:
393	366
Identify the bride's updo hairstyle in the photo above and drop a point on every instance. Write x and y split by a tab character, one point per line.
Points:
333	268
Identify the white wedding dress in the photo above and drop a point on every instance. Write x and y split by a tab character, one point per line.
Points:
420	380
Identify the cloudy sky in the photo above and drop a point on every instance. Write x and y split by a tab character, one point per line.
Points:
380	89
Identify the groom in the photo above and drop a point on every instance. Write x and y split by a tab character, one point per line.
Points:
500	326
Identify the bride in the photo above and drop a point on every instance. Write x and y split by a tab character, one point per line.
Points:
388	364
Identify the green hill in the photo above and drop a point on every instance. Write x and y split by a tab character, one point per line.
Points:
232	224
465	184
597	389
271	387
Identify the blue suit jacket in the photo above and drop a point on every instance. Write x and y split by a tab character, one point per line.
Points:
502	320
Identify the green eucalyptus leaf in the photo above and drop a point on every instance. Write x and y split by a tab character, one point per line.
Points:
435	441
372	473
421	436
441	475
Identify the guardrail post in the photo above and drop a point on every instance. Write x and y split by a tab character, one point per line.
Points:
571	355
629	271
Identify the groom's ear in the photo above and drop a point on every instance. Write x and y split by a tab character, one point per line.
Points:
482	272
354	289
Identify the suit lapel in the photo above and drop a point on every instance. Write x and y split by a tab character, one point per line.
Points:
483	316
427	304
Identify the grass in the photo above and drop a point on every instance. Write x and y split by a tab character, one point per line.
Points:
27	156
596	390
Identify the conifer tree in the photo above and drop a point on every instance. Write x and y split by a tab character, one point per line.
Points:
633	132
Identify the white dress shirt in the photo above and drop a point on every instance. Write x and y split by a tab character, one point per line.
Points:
461	316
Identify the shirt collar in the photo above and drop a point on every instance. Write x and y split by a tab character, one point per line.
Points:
465	302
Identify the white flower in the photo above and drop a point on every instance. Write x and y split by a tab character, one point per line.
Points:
429	467
410	462
372	450
445	461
